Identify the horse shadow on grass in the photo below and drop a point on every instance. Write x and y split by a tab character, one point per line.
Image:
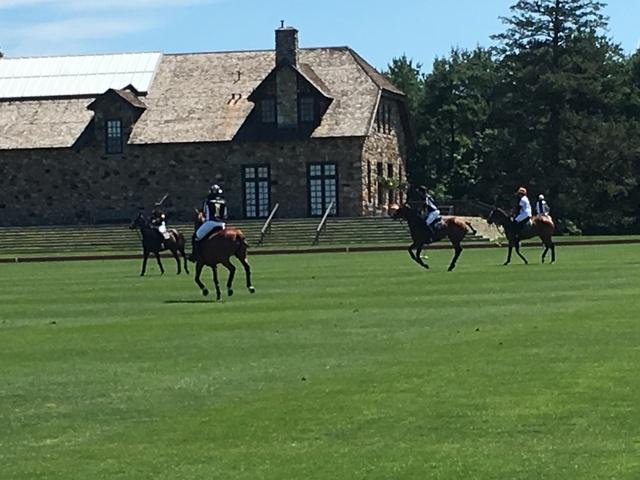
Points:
187	301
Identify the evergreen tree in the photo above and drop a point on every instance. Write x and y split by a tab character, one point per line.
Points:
452	121
409	78
558	69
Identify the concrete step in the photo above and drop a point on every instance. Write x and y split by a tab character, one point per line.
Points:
283	233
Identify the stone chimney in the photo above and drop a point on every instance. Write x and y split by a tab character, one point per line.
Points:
286	45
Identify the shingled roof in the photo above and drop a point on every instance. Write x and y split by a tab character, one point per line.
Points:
203	97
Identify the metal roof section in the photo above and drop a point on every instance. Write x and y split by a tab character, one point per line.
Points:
80	75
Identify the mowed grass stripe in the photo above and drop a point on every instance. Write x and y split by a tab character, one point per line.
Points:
341	366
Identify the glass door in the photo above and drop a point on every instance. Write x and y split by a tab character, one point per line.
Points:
257	192
323	188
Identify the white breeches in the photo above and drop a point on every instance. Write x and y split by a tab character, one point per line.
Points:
162	228
206	227
432	217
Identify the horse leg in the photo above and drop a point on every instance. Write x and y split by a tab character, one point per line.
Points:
196	278
157	254
215	280
544	253
508	261
418	257
184	259
174	252
247	271
553	251
519	254
232	271
145	256
458	249
410	250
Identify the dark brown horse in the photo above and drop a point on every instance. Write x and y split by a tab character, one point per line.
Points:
152	242
217	248
541	226
453	227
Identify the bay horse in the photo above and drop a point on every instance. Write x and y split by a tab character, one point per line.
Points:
218	247
453	227
541	226
153	243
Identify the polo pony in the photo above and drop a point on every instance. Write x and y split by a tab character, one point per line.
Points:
452	227
152	242
219	247
541	226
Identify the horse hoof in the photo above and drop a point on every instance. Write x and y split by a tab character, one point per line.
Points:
230	292
252	290
205	292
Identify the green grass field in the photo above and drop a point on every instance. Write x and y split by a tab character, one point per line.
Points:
346	366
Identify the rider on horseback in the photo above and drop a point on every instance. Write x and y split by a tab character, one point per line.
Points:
432	214
542	207
215	214
523	216
158	222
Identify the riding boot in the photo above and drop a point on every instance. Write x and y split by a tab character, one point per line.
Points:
195	249
431	234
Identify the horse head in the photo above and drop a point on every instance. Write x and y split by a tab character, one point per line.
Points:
497	217
138	222
402	212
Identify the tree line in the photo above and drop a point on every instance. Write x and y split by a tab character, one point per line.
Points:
554	105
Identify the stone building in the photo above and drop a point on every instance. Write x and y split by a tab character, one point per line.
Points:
95	138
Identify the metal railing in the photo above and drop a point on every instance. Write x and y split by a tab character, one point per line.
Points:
323	222
266	228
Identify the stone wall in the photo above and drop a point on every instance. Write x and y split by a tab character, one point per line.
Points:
287	98
385	148
68	186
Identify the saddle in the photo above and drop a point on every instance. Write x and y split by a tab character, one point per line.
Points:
436	227
213	233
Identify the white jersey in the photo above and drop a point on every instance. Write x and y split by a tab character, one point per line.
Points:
525	209
542	208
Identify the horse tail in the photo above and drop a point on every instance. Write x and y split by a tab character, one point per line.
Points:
473	230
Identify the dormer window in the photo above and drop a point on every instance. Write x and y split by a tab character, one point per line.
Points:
268	110
114	143
307	109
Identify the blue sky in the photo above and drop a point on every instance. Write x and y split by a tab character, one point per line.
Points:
378	30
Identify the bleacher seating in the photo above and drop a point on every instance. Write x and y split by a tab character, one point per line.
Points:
284	233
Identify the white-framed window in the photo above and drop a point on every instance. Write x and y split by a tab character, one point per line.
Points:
307	109
323	188
114	139
268	110
257	191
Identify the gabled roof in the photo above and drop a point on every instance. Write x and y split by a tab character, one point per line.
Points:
189	100
128	96
304	70
312	77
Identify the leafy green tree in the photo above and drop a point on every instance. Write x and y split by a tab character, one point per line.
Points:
409	78
562	80
452	121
